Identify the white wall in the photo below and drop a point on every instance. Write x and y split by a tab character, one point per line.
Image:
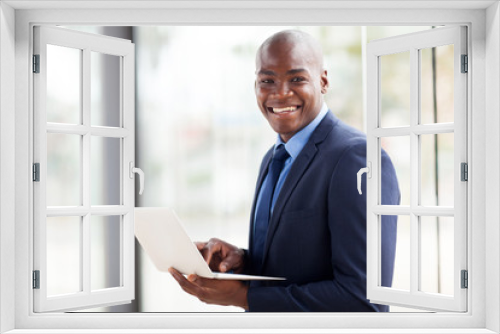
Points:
7	160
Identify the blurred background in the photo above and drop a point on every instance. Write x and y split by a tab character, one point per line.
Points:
200	138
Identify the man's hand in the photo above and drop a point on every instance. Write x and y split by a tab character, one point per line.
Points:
212	291
222	256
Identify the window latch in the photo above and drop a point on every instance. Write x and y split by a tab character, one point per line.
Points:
368	171
139	171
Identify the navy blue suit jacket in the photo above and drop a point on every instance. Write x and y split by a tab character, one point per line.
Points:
317	233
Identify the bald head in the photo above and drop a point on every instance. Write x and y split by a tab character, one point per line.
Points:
291	39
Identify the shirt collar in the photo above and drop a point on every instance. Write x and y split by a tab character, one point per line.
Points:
299	140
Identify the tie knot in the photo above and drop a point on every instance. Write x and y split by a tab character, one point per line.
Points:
280	154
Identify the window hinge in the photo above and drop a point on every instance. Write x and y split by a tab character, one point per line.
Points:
36	172
36	63
36	279
465	279
464	171
465	64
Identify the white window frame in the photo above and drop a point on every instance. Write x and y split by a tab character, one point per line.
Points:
125	131
16	22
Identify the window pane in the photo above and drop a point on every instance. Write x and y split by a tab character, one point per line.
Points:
106	172
395	89
63	84
105	89
398	149
437	172
63	170
105	245
400	256
63	255
436	84
437	254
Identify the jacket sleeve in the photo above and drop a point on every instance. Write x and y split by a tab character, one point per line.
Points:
346	219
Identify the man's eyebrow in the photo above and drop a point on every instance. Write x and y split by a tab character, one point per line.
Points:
289	72
266	72
296	70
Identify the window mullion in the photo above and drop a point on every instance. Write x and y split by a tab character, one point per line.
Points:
425	129
96	210
391	132
414	171
85	98
76	129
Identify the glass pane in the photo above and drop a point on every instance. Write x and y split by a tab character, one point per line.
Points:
437	254
437	161
398	149
106	171
63	255
436	84
63	170
395	89
105	245
395	251
63	84
105	89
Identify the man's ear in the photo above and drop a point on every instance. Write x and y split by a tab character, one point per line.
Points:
324	82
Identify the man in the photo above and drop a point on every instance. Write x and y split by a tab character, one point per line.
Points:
308	222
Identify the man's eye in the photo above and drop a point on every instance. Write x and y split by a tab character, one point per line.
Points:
298	79
266	81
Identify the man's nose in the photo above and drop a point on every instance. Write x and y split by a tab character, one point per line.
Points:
282	91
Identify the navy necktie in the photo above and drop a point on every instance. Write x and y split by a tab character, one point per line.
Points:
264	208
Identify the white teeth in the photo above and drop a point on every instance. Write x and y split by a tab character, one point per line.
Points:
280	110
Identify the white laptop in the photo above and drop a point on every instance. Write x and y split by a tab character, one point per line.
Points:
162	235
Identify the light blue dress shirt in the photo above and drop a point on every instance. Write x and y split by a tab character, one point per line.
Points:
294	146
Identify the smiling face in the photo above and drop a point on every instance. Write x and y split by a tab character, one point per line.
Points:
290	83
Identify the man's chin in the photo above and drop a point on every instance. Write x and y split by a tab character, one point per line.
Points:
284	132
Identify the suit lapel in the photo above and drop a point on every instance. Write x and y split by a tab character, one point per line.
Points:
298	169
